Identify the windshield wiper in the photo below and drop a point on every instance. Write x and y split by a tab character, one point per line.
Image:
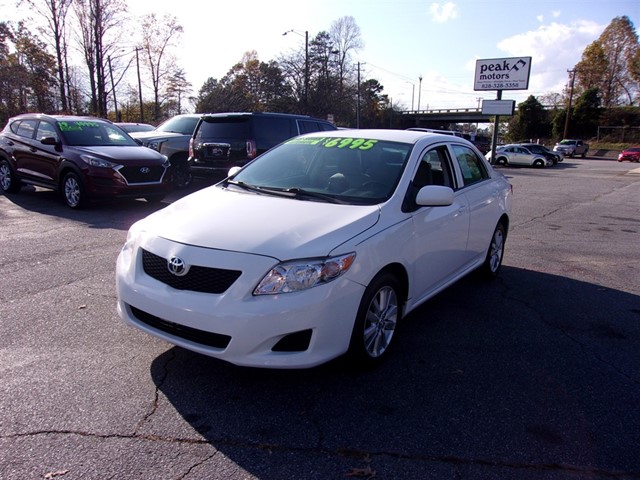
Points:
257	189
301	193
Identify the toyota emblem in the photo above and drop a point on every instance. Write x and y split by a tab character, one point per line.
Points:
177	266
145	170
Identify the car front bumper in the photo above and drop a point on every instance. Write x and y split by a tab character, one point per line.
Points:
237	326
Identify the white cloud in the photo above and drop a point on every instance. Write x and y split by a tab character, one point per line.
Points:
444	12
554	49
556	13
540	18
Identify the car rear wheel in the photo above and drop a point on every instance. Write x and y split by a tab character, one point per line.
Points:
538	163
502	161
8	181
73	191
376	320
493	260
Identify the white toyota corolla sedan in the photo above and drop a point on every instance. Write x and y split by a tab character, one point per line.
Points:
317	248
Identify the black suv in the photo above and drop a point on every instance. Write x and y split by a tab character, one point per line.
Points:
224	140
171	138
82	157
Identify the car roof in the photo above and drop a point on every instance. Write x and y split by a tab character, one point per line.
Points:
259	114
41	116
406	136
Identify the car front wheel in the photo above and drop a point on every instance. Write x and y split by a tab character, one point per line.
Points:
73	191
376	321
8	181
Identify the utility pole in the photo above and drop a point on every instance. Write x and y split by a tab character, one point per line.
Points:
113	89
419	91
358	100
139	86
566	120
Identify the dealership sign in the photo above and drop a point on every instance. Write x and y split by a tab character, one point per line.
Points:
503	74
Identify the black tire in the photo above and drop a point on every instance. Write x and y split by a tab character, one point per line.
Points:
584	154
73	191
502	161
539	163
9	183
493	260
378	315
182	176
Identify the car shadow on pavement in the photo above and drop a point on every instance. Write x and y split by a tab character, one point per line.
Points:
527	376
118	214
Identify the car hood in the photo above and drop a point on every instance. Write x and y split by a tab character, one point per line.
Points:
282	228
154	135
122	153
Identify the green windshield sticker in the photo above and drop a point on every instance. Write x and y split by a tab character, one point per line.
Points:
351	143
307	141
76	126
336	142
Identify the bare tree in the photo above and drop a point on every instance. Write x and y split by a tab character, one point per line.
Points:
54	12
346	39
157	39
98	20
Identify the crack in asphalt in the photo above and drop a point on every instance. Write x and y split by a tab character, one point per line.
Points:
156	398
361	455
584	347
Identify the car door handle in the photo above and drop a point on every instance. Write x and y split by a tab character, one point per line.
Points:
33	149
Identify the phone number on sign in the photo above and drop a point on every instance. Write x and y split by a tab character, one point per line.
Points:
500	86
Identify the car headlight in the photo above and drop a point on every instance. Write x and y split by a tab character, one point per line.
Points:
97	162
301	275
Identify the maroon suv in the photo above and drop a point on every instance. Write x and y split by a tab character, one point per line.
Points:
83	157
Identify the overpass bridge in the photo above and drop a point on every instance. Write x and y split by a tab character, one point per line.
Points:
437	118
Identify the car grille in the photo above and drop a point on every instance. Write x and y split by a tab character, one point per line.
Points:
142	174
197	279
215	340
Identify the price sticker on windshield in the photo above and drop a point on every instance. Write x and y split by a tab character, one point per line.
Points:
351	143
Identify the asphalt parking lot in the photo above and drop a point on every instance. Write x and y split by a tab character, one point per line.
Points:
535	375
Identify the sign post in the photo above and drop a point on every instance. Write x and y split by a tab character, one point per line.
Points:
501	74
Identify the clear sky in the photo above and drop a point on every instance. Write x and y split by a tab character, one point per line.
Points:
439	41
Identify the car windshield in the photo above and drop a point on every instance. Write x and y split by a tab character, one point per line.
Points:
183	125
89	133
357	171
567	142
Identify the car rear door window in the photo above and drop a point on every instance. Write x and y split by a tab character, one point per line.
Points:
270	131
471	166
26	128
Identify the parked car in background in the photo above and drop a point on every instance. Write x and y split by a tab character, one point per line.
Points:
135	127
517	155
171	138
631	154
572	148
85	158
318	247
224	140
555	157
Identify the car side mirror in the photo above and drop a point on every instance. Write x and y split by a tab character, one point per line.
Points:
49	141
233	171
139	142
435	196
